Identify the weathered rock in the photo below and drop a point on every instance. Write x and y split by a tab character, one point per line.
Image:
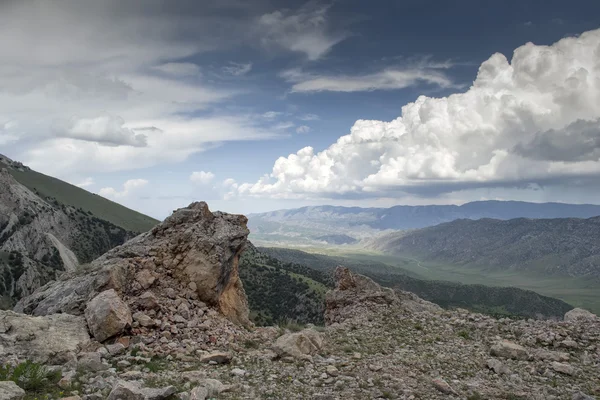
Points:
145	278
442	386
143	319
218	357
199	393
579	313
563	368
124	390
10	391
147	300
193	245
107	315
91	362
356	293
582	396
497	366
52	339
548	355
300	345
510	350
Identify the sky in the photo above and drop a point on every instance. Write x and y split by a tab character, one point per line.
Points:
263	105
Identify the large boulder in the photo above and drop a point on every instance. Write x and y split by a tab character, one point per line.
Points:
10	391
193	250
107	315
506	349
53	339
580	314
301	345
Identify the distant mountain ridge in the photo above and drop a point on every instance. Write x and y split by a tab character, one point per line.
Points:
311	223
563	246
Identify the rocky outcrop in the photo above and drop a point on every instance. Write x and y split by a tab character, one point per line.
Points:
580	314
191	257
358	295
53	339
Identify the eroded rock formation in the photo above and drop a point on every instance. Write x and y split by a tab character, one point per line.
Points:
192	256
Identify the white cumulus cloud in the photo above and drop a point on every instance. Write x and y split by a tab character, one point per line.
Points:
505	131
201	177
129	187
237	69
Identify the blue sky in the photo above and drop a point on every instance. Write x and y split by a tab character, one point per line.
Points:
161	105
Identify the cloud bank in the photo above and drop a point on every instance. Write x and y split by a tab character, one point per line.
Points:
535	119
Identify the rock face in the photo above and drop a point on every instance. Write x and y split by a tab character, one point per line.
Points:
40	238
42	339
107	315
357	294
193	254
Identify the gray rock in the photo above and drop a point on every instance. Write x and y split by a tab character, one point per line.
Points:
510	350
107	315
143	319
442	386
10	391
199	393
52	339
300	345
134	391
91	362
147	300
497	366
580	314
218	357
582	396
563	368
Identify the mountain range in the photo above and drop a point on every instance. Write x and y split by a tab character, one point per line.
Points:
325	224
560	246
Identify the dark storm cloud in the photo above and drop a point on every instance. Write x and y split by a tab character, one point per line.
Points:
579	141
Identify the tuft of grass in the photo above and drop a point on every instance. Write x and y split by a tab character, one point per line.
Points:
251	344
291	325
464	334
418	326
475	396
30	376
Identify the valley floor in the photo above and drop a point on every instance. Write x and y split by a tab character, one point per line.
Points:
579	292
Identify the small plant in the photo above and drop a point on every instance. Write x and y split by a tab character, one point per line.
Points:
418	326
291	325
251	344
475	396
387	394
134	352
464	334
30	376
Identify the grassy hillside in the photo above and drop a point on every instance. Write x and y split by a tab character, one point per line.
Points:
568	247
508	301
65	193
281	291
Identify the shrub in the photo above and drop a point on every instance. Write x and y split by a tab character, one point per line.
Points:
30	376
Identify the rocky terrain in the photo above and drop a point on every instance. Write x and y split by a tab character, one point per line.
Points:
164	316
41	238
560	246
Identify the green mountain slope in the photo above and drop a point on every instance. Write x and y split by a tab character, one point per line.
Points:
567	247
499	301
48	227
48	187
280	291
